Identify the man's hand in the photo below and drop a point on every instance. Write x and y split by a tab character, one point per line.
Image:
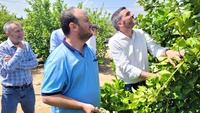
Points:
7	58
20	45
145	74
88	108
171	54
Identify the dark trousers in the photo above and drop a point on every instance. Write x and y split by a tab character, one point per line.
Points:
128	87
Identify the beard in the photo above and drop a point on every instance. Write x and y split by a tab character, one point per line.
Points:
129	23
83	35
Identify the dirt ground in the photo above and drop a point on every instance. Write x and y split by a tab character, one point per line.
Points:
105	75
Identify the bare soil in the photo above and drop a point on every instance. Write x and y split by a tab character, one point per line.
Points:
105	75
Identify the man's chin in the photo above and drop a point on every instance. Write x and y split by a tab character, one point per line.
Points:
20	39
134	22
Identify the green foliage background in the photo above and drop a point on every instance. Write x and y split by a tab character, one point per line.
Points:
44	17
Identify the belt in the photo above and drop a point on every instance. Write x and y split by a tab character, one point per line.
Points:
19	87
135	86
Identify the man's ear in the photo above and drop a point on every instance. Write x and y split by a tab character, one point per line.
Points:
119	23
7	34
73	26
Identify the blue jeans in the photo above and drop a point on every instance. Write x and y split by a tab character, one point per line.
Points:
11	97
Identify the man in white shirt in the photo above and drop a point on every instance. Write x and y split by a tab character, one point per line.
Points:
57	37
92	41
129	49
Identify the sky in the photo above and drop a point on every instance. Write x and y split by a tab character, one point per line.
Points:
17	6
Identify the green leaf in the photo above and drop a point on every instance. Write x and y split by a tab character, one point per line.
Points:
186	15
173	21
161	12
196	16
164	73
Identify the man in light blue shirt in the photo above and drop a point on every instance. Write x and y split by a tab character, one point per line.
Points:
57	37
16	61
71	80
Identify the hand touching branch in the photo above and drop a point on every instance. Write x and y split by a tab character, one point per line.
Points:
171	54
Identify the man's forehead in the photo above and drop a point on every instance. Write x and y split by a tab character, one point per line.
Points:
123	12
14	26
79	12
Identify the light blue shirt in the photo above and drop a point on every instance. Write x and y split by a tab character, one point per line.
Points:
16	71
69	73
57	37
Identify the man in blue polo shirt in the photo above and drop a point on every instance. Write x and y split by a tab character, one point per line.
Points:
71	81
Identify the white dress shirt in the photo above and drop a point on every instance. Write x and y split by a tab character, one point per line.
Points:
92	43
130	55
56	39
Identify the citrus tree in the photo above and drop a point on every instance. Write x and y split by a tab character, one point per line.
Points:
102	20
43	17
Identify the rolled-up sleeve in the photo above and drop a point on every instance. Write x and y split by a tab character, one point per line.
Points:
13	63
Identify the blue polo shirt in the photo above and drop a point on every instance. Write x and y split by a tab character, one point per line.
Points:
68	72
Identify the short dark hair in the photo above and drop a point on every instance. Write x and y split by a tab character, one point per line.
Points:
94	26
116	18
66	17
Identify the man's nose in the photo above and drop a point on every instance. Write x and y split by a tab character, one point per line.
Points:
22	32
132	15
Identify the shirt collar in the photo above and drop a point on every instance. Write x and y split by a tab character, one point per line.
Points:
10	43
70	47
123	36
